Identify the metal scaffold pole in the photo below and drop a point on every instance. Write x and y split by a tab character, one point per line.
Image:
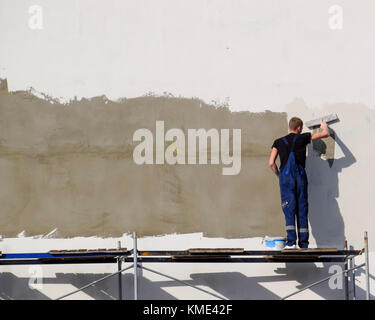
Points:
352	265
119	274
367	268
135	262
346	274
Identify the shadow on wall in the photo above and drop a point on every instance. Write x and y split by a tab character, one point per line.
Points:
230	285
17	288
327	224
306	274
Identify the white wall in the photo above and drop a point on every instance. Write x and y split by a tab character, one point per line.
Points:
259	54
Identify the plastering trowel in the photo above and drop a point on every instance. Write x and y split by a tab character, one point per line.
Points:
329	119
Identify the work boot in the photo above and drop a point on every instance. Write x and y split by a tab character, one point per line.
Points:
290	247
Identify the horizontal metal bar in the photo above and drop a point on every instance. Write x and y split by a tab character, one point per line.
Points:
253	253
58	261
173	260
233	260
48	255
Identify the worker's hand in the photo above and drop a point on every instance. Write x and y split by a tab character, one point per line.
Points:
323	134
323	125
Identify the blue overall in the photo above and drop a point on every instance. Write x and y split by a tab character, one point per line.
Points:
293	190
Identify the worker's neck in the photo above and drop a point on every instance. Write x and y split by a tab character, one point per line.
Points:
294	131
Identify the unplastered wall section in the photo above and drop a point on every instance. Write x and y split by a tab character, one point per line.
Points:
71	167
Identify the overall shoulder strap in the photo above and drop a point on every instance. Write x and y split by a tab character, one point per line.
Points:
294	141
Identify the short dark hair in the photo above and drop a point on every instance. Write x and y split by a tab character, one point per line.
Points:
294	123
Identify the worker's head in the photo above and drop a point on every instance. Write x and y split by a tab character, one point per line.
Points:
295	125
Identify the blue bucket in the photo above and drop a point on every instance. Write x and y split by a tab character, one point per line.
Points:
274	243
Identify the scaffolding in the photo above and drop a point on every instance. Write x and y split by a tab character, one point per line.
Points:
198	255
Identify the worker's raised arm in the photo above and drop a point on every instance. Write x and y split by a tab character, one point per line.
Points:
323	134
272	163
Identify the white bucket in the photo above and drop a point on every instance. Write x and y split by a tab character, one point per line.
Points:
274	243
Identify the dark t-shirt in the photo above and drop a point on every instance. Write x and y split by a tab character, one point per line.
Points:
299	148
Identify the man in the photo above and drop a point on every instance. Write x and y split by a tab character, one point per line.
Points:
293	179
